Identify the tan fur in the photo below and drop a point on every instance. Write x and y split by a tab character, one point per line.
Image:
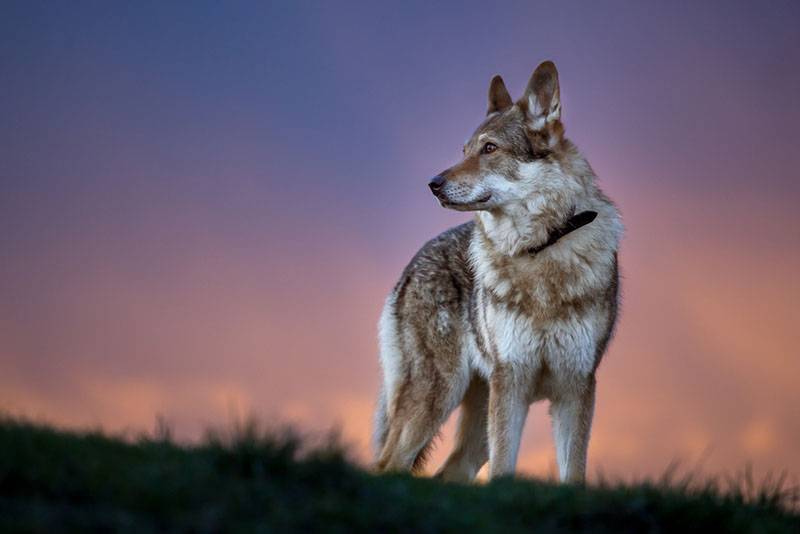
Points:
480	319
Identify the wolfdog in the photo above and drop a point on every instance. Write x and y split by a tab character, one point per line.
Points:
513	307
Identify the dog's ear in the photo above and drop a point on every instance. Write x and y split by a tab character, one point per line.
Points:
499	99
542	100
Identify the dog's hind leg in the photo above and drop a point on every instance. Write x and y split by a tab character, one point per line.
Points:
471	449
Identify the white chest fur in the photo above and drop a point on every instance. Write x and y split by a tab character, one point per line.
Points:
567	346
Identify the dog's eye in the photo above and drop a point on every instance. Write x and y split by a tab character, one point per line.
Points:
488	148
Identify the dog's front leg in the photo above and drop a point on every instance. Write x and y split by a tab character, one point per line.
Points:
508	408
572	421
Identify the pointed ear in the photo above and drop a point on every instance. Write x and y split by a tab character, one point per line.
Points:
542	100
499	99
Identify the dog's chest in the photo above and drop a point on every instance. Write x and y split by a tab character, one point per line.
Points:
566	346
541	313
543	289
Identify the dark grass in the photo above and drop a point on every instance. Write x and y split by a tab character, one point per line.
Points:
251	480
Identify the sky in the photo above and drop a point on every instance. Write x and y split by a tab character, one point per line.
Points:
203	206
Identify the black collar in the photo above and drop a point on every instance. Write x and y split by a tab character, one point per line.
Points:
573	223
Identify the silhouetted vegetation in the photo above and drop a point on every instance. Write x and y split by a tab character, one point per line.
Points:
252	480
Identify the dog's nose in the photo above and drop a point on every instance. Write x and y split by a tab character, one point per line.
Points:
436	183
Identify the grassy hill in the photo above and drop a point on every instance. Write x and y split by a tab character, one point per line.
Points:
54	480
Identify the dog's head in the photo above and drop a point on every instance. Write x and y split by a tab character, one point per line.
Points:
514	155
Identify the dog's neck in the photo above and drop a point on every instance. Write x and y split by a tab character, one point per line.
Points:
573	223
519	230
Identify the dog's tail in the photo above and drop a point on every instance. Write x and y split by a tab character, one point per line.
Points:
423	456
381	423
381	431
